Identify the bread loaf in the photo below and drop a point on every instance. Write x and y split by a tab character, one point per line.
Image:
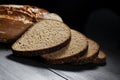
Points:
22	12
16	19
10	30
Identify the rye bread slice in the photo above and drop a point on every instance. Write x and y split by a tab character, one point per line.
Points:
91	54
45	36
77	47
101	58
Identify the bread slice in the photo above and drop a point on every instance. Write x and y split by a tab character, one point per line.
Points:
101	58
77	47
93	50
44	37
53	16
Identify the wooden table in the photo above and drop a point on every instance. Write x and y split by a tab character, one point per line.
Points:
15	68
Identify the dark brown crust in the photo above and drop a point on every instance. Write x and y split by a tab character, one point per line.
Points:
85	60
43	51
100	60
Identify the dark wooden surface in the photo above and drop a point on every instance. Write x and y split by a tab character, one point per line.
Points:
15	68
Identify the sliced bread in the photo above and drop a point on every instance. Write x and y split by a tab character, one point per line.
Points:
101	58
93	50
77	47
45	36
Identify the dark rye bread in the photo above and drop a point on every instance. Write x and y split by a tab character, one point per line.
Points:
45	36
100	59
91	54
77	47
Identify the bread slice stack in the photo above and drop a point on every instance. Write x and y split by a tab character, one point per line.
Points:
90	52
37	32
56	43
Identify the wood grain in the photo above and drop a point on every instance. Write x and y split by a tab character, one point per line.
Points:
13	68
16	68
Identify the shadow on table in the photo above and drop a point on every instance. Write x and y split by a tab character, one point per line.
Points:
27	61
38	62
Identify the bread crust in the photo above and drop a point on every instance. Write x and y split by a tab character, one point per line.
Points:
30	13
85	60
67	59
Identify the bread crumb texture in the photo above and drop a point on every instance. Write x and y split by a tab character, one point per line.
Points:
44	34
